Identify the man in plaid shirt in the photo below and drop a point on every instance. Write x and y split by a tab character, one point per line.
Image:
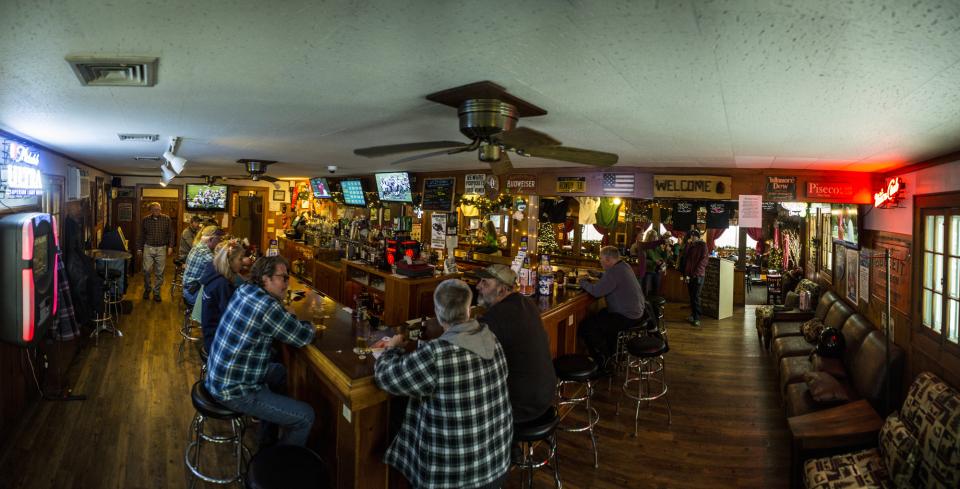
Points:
199	257
458	427
156	237
239	372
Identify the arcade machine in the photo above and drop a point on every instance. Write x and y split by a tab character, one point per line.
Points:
28	261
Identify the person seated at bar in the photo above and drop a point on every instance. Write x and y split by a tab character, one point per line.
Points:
200	255
239	371
625	301
220	279
458	427
515	320
188	236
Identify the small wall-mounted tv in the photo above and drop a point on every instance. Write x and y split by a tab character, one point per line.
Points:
321	190
206	197
353	192
394	187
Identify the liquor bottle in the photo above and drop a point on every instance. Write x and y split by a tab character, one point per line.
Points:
528	278
416	329
545	279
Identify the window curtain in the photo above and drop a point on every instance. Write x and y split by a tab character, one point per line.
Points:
712	236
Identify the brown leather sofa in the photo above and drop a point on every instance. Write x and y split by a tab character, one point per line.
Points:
792	346
855	329
792	328
865	376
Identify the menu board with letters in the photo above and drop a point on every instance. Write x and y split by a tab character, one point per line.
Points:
438	194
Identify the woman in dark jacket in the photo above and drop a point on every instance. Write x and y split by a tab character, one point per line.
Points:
219	280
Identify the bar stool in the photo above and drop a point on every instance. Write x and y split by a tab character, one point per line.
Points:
203	359
287	467
641	327
208	407
657	305
530	433
646	365
177	283
578	369
103	321
187	334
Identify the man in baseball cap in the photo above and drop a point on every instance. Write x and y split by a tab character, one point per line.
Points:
515	320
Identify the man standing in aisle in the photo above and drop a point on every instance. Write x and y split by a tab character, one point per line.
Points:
515	320
695	266
239	371
625	302
187	237
458	427
155	242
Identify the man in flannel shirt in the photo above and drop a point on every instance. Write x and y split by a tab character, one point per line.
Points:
239	371
156	238
199	257
458	427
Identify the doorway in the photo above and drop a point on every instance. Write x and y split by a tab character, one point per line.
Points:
248	222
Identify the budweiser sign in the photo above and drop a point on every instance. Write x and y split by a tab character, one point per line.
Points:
830	190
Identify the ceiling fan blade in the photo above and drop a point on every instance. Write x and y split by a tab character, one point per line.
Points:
268	178
523	138
503	165
375	151
573	155
461	149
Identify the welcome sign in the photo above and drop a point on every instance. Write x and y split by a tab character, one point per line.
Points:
692	186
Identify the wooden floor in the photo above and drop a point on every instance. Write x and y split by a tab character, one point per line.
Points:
728	428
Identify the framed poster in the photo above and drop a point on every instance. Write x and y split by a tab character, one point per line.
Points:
438	194
839	265
865	275
853	262
279	196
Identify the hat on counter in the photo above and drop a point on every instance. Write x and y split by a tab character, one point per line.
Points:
502	273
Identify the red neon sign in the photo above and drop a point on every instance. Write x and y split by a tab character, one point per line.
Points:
891	194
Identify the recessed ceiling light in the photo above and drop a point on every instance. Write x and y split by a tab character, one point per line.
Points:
144	138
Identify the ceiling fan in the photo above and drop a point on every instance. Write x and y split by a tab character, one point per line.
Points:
256	170
488	116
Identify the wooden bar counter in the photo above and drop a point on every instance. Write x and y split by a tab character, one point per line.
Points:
353	416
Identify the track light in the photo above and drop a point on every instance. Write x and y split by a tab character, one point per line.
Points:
176	162
168	174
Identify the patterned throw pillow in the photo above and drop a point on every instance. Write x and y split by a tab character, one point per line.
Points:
824	388
811	330
899	451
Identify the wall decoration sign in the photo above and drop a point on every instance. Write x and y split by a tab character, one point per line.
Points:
781	189
19	171
473	183
684	215
865	274
839	265
718	215
890	195
571	185
853	259
692	186
522	183
899	273
618	183
830	190
125	212
751	211
438	230
438	194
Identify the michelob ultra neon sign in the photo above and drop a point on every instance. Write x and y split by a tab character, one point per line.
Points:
891	194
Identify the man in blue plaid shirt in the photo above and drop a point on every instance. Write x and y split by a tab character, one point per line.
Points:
458	427
199	257
239	371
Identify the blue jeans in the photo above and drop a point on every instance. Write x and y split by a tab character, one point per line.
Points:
273	410
694	288
651	284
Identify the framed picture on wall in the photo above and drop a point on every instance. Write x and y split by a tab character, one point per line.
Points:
839	265
279	196
853	260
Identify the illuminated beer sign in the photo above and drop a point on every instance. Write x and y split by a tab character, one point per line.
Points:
891	194
20	172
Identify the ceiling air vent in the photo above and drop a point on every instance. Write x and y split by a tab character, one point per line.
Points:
139	138
133	71
147	158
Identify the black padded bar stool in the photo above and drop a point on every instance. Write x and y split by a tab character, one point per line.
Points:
646	366
640	327
203	362
208	408
528	434
578	370
658	304
190	331
287	467
176	285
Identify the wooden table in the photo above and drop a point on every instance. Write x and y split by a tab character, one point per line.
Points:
849	425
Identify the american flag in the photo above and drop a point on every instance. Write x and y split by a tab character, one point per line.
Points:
618	182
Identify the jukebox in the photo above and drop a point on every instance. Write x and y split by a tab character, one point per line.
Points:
28	269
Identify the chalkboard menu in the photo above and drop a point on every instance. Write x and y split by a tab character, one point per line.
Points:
438	194
710	294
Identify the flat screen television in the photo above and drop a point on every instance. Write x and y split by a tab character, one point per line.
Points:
394	187
321	190
353	192
206	197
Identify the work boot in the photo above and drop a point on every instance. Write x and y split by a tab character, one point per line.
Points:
146	294
156	297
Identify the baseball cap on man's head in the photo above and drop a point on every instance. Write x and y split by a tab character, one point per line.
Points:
502	273
694	233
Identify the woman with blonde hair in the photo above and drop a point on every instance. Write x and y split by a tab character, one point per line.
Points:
219	280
